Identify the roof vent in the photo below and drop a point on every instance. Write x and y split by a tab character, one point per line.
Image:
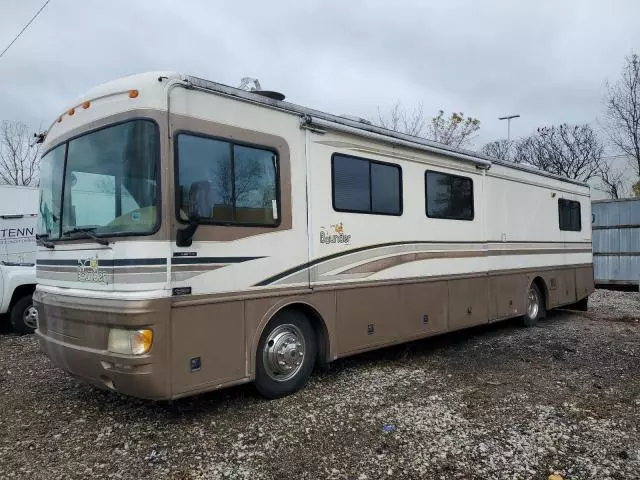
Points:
357	119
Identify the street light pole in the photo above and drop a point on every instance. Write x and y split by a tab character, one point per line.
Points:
508	119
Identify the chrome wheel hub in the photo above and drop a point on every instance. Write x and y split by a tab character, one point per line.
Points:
533	303
283	352
30	317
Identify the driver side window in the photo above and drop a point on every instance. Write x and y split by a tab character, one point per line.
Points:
221	182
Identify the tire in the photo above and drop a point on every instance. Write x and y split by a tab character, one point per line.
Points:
288	339
23	315
534	306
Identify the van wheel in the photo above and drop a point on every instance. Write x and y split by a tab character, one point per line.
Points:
286	355
24	316
535	309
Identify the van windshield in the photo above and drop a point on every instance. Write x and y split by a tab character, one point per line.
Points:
108	183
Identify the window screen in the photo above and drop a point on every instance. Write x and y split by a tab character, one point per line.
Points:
222	182
365	186
569	215
448	196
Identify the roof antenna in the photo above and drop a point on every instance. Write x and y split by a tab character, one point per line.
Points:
257	89
247	81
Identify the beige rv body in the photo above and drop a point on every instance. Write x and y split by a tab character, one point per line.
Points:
364	281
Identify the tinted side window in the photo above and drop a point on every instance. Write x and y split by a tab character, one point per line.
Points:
385	189
365	186
222	182
448	196
351	190
569	215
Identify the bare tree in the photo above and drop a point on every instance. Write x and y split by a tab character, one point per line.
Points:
636	189
611	181
572	151
248	177
19	160
454	130
623	110
411	122
499	149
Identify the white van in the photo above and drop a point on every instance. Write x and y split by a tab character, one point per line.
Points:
18	218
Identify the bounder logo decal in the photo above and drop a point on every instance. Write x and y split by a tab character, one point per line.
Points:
334	234
89	271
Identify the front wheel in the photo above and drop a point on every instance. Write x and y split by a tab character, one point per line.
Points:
535	309
286	355
24	316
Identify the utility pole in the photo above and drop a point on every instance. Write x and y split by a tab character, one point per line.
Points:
508	119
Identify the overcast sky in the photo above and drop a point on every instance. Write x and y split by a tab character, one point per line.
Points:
546	60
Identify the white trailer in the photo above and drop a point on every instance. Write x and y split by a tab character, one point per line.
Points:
196	236
18	218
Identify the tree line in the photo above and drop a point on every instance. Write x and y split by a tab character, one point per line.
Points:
575	151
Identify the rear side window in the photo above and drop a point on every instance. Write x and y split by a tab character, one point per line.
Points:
448	196
569	215
365	186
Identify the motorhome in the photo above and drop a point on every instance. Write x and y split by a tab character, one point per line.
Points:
18	215
196	236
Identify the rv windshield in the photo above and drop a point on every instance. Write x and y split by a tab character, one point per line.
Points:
110	183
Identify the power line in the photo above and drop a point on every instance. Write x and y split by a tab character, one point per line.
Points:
25	27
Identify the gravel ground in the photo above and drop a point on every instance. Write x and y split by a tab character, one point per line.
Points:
499	401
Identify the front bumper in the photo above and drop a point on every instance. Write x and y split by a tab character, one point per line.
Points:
73	333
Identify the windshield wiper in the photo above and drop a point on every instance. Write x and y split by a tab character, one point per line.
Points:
88	231
45	243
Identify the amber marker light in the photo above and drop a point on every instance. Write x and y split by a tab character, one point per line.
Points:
141	341
71	111
86	104
133	93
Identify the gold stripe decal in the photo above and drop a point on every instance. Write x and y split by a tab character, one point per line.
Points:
366	260
388	262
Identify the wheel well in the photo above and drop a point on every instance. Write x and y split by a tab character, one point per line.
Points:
319	327
21	291
543	289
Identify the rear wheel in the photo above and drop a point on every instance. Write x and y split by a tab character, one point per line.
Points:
24	316
535	309
286	355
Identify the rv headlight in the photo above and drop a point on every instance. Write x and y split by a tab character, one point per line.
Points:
130	342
